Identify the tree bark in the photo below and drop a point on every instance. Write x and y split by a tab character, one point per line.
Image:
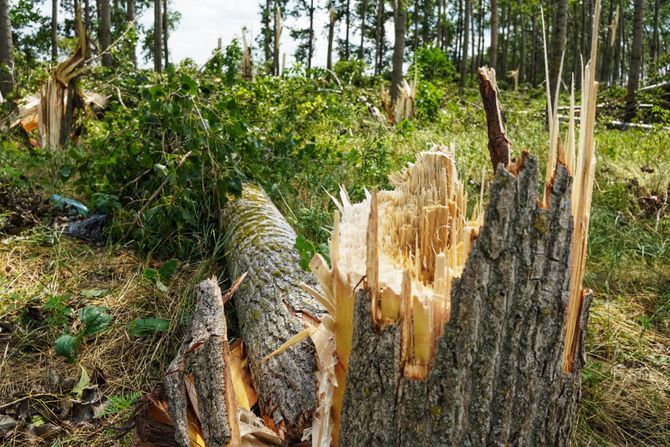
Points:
104	32
379	38
400	20
6	48
347	14
166	32
655	42
636	54
557	44
466	38
267	35
270	304
277	38
331	33
310	47
497	377
361	48
494	34
522	55
158	35
130	18
54	31
202	367
499	144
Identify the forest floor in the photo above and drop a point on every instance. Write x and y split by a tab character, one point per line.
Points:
48	278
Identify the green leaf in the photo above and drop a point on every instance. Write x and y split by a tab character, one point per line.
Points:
66	346
84	382
167	269
306	249
151	275
94	319
94	293
143	327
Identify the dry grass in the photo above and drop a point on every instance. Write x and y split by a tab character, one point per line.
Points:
44	264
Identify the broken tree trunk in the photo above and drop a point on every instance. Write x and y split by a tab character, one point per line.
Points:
272	308
198	382
59	95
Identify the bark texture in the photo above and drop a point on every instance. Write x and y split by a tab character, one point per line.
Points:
400	23
199	376
636	53
270	304
497	376
6	59
158	35
105	32
499	144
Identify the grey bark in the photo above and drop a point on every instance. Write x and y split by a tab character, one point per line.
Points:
54	31
104	32
494	34
203	358
361	48
166	31
331	34
497	378
158	34
636	53
347	14
130	18
269	307
400	22
310	48
6	47
557	44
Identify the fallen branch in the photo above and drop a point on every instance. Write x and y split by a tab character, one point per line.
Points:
499	144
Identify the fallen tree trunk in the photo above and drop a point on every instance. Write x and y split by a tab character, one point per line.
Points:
272	308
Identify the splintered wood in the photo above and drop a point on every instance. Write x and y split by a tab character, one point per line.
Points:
406	245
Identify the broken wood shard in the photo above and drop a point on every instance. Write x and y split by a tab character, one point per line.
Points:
499	144
272	308
198	383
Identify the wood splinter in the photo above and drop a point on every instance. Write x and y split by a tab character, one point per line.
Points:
499	144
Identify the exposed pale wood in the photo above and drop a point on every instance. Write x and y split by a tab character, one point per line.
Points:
272	308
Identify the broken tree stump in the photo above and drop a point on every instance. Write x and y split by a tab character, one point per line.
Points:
271	309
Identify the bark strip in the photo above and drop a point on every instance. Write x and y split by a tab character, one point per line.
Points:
499	144
271	307
198	383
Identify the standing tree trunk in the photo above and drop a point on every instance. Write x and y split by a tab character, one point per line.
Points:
104	32
54	31
607	50
331	33
158	35
494	34
533	50
166	31
459	34
636	53
504	38
557	44
277	39
130	18
267	34
466	38
400	21
269	304
310	44
655	42
379	38
522	55
6	47
439	24
347	14
361	48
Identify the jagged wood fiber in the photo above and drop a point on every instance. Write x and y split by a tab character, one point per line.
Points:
270	306
199	375
496	378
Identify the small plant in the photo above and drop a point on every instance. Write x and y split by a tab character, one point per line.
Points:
93	320
119	404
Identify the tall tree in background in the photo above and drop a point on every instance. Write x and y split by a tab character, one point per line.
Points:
332	16
347	26
363	6
266	32
558	43
494	34
400	24
158	34
166	29
636	53
305	36
380	44
655	42
54	31
6	47
105	32
466	38
130	19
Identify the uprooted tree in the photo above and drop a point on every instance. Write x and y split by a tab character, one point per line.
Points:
432	324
